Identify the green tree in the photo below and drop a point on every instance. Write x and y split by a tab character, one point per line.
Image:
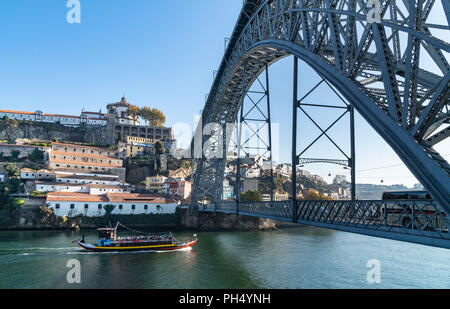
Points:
315	196
134	112
17	202
12	170
146	114
159	147
36	155
251	196
15	154
109	209
153	116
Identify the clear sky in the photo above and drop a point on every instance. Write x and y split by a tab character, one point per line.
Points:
160	54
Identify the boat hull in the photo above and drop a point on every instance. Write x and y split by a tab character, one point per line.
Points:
160	248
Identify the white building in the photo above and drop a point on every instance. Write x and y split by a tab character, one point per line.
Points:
120	111
104	181
73	204
29	174
284	169
43	186
66	120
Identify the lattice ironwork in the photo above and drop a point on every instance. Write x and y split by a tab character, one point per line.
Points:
354	60
377	72
419	221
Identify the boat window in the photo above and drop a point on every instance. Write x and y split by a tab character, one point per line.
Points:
72	206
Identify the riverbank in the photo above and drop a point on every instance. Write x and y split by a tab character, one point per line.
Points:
42	218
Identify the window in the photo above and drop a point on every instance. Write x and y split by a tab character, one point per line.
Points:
120	207
99	206
86	206
133	207
57	206
72	206
158	207
146	207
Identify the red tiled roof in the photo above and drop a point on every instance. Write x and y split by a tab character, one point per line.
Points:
76	154
85	163
110	197
50	115
16	112
83	146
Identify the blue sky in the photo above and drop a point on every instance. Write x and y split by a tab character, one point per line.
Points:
160	54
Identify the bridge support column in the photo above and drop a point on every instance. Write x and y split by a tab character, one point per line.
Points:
294	142
269	123
353	152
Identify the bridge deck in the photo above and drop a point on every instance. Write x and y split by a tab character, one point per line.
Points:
420	222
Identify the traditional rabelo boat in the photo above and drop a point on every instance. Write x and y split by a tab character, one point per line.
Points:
109	241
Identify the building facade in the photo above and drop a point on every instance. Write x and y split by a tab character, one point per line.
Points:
136	147
155	184
79	204
85	159
65	120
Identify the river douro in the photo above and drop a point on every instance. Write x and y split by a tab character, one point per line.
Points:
290	258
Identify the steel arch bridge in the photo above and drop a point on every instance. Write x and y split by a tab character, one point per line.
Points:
376	66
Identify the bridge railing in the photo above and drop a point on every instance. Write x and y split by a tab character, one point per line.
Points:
280	210
419	217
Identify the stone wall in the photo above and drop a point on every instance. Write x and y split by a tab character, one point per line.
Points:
202	221
10	131
24	151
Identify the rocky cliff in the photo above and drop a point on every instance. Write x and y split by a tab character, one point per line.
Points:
12	130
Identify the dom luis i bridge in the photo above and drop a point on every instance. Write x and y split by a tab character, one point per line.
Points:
369	54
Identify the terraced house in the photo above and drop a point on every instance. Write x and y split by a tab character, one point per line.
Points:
85	159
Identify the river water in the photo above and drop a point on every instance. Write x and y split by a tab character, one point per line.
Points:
290	258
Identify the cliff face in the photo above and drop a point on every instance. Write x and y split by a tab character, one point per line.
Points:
49	131
41	218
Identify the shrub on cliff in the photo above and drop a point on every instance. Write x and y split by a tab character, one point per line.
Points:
36	155
251	196
12	170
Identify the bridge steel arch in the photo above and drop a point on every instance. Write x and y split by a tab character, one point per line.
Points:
372	67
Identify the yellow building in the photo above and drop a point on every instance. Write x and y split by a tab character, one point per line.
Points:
278	196
155	184
136	147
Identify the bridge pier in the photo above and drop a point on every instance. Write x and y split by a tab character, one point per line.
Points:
211	221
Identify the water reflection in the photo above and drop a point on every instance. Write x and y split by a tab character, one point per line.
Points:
294	257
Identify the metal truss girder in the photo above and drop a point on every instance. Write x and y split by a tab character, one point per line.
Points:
302	161
273	41
419	222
